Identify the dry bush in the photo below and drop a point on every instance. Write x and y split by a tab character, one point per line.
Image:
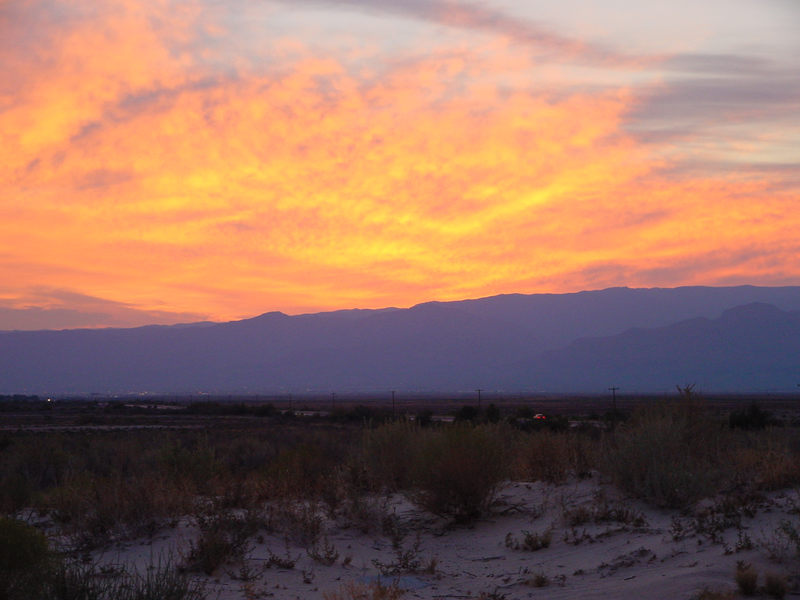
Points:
603	510
365	591
74	580
746	579
385	455
364	512
671	454
304	471
302	520
768	460
25	560
457	470
553	456
543	456
531	541
223	539
94	511
775	585
709	594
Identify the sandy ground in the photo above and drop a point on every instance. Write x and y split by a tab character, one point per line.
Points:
602	546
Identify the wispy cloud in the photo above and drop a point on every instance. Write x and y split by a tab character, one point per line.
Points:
480	17
42	308
149	170
721	89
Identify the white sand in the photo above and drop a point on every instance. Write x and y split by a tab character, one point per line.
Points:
592	560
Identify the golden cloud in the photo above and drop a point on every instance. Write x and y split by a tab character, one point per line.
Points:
139	172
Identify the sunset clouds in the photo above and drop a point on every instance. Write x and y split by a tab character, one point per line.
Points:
166	161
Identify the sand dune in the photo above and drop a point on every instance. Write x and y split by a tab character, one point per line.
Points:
602	545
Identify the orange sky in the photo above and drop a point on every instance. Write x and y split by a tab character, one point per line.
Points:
166	162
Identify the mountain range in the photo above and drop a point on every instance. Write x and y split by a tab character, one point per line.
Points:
723	339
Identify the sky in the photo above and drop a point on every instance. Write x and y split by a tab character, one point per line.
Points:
165	161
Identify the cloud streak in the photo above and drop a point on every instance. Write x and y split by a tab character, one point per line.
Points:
141	172
478	17
42	308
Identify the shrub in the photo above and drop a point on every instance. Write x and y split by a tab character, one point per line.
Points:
223	538
670	454
492	414
458	469
25	560
539	580
775	585
552	457
386	454
531	542
746	579
71	580
467	413
307	470
327	554
753	417
363	591
709	594
94	510
790	532
768	460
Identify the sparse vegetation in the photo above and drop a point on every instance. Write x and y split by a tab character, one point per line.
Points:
670	454
529	542
539	580
29	569
709	594
746	578
324	553
363	591
223	539
457	470
25	560
93	488
552	457
775	585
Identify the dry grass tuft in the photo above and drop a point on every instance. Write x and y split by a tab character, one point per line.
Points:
362	591
775	585
746	579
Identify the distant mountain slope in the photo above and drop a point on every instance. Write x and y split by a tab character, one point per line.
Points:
557	319
511	342
750	347
427	346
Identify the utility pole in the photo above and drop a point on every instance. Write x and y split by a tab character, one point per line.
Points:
613	390
394	412
479	390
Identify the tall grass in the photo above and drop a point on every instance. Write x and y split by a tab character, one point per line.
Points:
386	456
554	456
102	485
29	570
